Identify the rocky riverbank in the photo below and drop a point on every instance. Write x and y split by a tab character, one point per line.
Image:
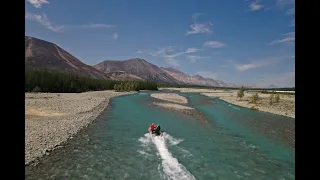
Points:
53	118
285	107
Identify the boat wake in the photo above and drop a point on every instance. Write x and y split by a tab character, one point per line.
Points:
172	169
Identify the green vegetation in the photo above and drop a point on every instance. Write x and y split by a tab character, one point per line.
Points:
135	86
277	98
58	82
36	89
274	98
271	99
260	90
240	93
254	98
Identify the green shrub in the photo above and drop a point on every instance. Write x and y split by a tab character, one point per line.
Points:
36	89
240	93
277	98
254	98
271	99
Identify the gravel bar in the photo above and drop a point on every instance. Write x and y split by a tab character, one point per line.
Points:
53	118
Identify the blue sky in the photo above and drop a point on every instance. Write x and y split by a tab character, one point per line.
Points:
237	41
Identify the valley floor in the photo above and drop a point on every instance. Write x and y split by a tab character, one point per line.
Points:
285	107
53	118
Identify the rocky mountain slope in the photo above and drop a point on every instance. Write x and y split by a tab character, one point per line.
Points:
137	67
40	54
195	80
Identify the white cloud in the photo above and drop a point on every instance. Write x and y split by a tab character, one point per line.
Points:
290	12
115	36
285	2
293	23
289	5
255	6
38	3
245	67
256	64
44	21
173	62
192	50
96	26
172	55
196	15
139	52
194	58
288	39
168	54
214	44
171	52
208	74
201	28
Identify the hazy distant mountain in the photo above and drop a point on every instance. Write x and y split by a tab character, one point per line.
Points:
42	54
138	67
195	80
272	86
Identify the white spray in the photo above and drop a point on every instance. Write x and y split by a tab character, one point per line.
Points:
172	169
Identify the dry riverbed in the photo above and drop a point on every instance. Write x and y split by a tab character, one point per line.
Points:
172	104
53	118
172	97
286	106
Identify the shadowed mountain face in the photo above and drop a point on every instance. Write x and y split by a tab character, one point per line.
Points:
137	67
42	54
123	76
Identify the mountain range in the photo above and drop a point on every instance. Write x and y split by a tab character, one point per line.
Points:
41	54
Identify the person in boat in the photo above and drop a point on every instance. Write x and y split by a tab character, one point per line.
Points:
151	128
157	130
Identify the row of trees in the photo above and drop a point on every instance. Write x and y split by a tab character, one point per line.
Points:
59	82
261	90
135	86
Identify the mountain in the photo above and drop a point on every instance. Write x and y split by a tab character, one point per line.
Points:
178	75
272	86
123	76
138	68
41	54
195	80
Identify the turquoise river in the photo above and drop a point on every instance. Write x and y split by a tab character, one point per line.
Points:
234	143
